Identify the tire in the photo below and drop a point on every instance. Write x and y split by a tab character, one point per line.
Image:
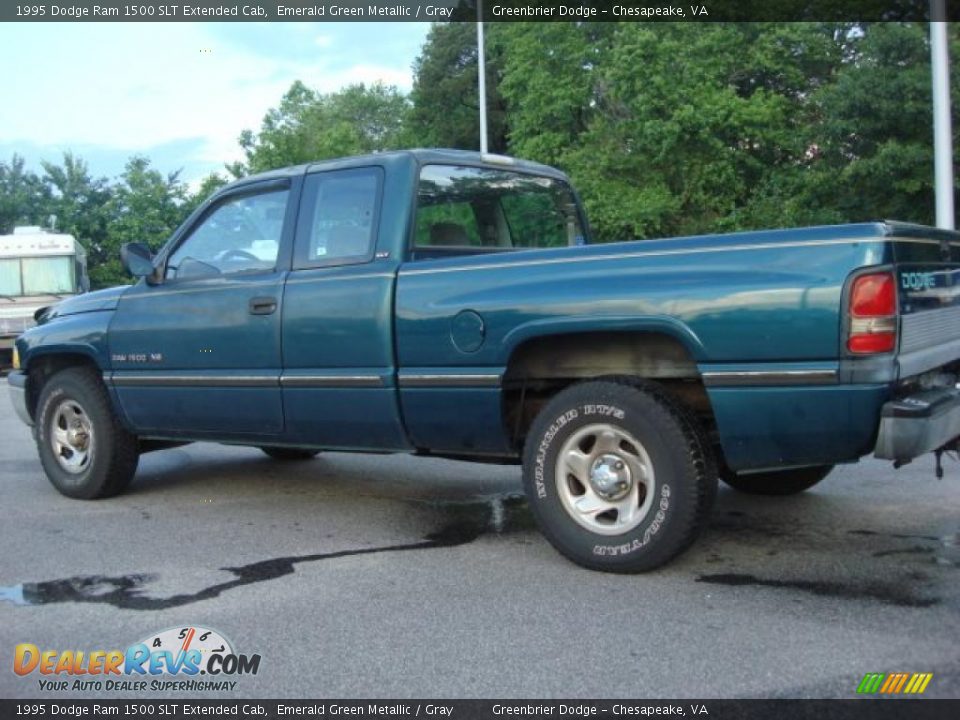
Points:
593	508
776	482
289	453
84	449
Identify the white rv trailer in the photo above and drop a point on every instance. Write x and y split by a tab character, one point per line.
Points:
37	268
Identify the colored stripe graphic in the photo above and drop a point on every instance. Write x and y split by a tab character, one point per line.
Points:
913	684
888	683
870	683
901	681
894	683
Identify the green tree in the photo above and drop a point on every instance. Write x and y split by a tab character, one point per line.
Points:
310	126
146	206
874	145
683	128
551	84
445	92
670	128
78	201
24	198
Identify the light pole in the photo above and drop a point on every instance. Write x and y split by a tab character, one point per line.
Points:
942	131
482	78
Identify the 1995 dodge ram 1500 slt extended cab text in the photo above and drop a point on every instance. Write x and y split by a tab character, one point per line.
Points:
450	303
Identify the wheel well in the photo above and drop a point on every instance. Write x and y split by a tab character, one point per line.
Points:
541	367
44	367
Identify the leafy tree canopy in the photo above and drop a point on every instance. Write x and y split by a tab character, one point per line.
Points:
309	126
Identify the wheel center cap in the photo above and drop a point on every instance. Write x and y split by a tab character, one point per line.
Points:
77	437
610	477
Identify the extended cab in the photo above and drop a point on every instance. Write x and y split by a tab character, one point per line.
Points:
450	303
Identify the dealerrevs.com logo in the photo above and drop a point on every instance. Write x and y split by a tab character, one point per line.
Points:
182	658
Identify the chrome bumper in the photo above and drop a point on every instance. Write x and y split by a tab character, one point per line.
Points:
17	382
918	424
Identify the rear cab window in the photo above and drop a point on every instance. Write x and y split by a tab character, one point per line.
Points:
464	210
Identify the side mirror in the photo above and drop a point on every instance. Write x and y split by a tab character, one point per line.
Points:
137	259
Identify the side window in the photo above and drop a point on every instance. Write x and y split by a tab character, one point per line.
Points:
338	218
476	209
241	234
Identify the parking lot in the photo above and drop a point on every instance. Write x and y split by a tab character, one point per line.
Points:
393	576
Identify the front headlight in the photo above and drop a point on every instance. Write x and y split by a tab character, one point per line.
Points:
16	358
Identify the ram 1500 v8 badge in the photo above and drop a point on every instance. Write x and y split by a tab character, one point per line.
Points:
450	304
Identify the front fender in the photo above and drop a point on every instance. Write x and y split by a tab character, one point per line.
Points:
83	334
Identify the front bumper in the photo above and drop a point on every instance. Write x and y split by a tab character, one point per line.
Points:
17	383
918	424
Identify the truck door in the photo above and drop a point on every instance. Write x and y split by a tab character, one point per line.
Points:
199	354
338	379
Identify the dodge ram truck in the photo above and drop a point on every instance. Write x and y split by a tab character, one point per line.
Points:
451	304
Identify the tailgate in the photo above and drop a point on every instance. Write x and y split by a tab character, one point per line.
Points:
928	281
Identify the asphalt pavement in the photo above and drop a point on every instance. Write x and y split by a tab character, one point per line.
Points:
366	576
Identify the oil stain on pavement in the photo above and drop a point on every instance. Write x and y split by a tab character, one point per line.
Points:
938	550
463	523
460	523
887	593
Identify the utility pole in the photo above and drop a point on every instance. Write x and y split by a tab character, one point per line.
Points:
942	130
482	77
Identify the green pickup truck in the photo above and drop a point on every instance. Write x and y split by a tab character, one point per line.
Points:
451	304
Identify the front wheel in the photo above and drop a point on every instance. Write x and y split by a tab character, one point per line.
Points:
84	449
776	482
618	476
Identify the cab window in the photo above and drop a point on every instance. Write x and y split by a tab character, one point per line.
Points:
241	234
338	218
462	210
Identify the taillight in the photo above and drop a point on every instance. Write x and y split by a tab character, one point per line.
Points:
873	314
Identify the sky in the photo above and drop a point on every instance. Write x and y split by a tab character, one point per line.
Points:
179	93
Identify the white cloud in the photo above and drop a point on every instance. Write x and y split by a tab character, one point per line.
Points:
133	86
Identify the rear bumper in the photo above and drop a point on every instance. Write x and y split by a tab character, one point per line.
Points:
918	424
17	383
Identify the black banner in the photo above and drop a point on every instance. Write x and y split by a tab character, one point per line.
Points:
486	709
466	11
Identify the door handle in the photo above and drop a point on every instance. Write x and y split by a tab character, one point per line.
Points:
263	305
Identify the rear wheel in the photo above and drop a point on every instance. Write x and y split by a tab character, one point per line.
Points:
618	476
84	449
776	482
289	453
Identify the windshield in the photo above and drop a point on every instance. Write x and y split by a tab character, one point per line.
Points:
37	276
